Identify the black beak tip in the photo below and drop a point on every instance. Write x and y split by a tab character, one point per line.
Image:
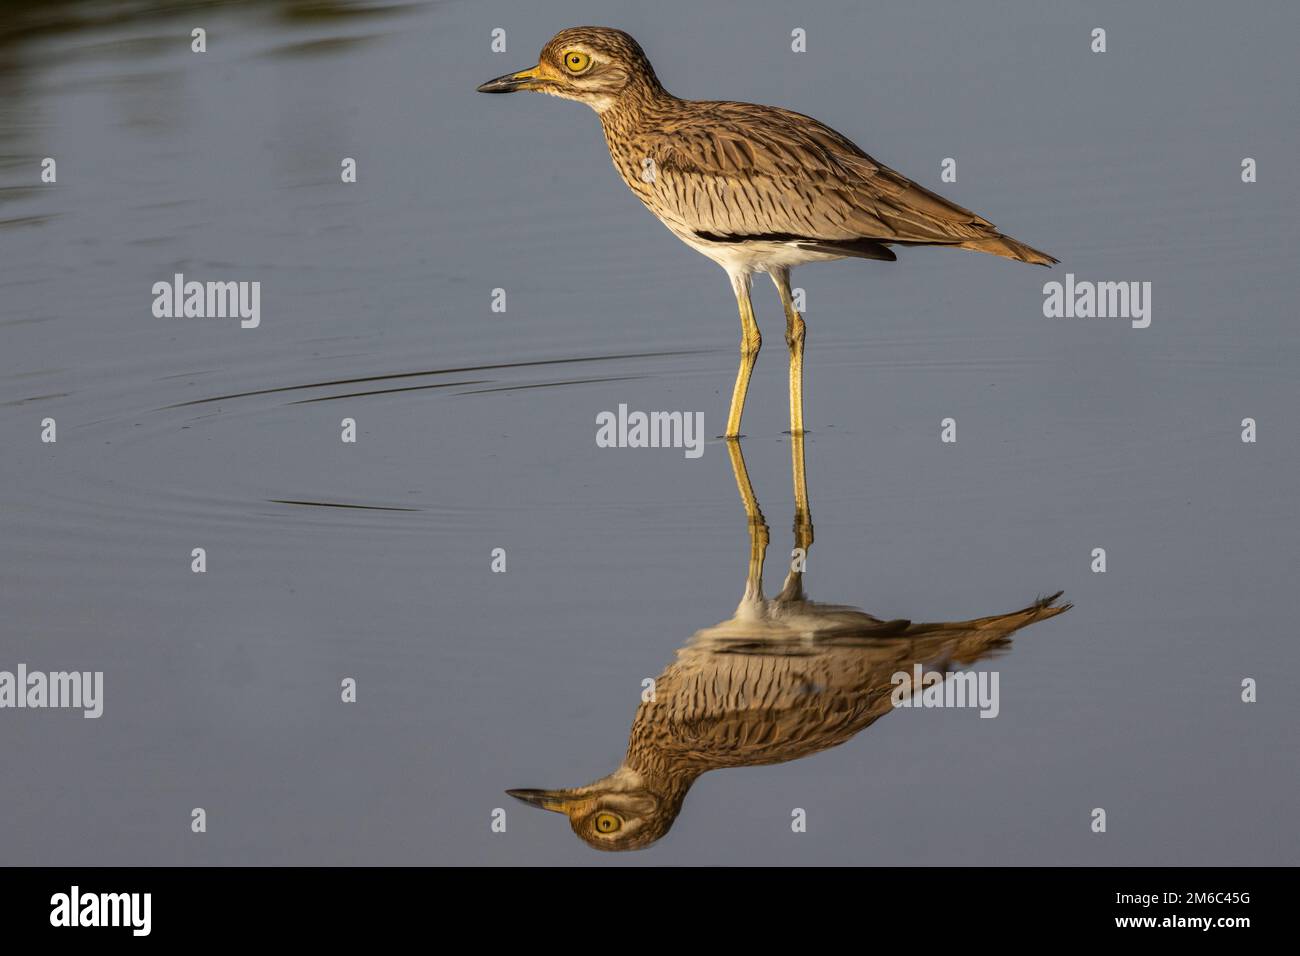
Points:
540	799
502	84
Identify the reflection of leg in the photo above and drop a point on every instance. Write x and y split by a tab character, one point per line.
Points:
750	342
758	533
803	528
792	590
794	336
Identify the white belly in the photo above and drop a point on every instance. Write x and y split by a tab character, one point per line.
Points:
743	258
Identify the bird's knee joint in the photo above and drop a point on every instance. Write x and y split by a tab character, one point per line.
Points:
795	333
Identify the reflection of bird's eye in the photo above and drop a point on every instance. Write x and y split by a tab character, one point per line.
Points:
607	823
575	61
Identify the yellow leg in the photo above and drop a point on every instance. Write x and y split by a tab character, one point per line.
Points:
758	532
750	343
794	336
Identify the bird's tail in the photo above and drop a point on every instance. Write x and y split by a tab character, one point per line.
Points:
1005	246
965	642
1040	610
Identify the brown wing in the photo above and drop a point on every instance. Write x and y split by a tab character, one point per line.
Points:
745	170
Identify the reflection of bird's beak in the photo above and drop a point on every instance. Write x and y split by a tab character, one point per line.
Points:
523	80
555	800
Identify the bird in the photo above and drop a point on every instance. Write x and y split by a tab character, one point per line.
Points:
757	189
783	678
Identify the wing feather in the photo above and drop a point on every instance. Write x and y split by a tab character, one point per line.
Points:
743	169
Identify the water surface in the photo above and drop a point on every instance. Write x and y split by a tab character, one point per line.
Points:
476	431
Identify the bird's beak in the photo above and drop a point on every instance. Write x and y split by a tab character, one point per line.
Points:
523	80
556	800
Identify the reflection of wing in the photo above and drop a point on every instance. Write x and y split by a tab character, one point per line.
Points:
746	709
758	693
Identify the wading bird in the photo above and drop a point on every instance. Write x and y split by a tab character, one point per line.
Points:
784	678
754	188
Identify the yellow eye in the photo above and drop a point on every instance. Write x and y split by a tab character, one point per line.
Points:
607	823
575	61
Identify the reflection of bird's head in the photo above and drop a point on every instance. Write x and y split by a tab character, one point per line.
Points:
593	65
618	812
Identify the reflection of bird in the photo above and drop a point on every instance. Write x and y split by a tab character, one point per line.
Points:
754	188
784	678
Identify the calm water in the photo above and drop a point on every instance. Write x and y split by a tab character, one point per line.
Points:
476	431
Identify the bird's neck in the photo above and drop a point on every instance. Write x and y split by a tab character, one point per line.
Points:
638	103
668	777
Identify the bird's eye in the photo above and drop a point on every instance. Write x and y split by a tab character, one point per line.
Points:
575	61
607	823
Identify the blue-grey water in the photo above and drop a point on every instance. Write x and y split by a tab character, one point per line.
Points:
476	431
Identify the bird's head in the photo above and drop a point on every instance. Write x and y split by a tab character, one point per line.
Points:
594	65
618	812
